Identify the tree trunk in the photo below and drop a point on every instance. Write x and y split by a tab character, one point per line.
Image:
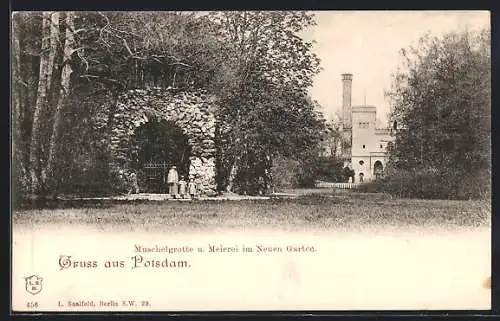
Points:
16	103
40	104
63	94
232	174
54	44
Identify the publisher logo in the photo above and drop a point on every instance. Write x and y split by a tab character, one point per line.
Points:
33	284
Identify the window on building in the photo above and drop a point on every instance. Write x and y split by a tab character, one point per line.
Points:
364	146
381	146
361	163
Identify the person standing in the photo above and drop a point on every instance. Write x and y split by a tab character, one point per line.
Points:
182	187
192	188
172	180
134	183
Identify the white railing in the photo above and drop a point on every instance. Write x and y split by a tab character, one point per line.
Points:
336	185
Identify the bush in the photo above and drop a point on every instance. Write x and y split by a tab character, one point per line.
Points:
290	173
431	184
475	186
371	187
329	169
285	173
253	178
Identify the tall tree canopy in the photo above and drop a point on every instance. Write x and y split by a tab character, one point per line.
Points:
442	101
69	66
265	111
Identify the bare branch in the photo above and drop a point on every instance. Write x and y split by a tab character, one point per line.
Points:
84	60
180	64
105	17
126	32
22	82
88	76
103	28
77	49
124	41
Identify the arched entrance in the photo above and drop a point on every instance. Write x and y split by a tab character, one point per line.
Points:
158	145
191	111
378	168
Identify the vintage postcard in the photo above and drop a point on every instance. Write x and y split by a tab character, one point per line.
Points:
251	160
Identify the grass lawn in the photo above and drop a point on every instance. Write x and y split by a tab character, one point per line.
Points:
371	251
311	210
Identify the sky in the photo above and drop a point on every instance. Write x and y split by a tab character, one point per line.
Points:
367	44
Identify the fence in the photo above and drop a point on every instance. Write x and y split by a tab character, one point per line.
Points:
336	185
155	175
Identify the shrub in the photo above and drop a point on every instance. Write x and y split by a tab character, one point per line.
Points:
475	185
290	173
431	184
371	187
329	169
284	172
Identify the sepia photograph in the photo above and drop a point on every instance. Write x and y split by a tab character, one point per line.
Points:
250	161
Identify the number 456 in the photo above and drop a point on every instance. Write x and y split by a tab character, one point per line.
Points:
32	304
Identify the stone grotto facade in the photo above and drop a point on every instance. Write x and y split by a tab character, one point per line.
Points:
192	111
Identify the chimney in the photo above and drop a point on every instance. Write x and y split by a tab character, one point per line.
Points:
346	100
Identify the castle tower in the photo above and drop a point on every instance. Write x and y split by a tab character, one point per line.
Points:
346	100
346	117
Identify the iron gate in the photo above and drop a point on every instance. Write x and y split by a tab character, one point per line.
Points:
155	177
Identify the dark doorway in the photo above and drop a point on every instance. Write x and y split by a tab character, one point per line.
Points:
378	168
361	177
158	145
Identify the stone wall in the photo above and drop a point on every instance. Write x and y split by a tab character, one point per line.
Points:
191	111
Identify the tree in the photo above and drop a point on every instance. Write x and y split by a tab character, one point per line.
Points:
16	117
331	138
70	68
442	104
44	83
63	94
68	58
264	110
